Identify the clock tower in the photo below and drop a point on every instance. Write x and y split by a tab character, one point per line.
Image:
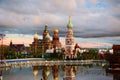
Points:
69	40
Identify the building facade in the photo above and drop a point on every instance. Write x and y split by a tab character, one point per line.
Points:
56	40
116	49
45	45
17	48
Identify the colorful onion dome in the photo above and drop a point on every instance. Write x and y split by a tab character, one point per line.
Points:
36	36
69	25
47	36
56	31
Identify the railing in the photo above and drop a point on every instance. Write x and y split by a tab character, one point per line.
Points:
37	62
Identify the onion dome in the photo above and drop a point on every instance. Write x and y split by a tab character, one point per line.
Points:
46	27
69	25
47	36
56	31
36	36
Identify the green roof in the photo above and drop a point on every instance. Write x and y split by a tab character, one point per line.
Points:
69	25
46	28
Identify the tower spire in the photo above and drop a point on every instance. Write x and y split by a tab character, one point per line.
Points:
69	18
11	43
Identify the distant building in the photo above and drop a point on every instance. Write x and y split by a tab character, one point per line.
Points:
116	49
18	48
114	62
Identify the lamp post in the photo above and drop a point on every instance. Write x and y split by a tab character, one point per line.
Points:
2	49
2	53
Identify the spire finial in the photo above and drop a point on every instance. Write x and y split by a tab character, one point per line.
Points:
69	18
45	24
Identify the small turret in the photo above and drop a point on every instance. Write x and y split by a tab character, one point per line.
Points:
46	31
36	36
11	43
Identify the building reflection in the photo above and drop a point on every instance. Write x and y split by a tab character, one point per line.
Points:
45	72
114	62
35	70
55	70
69	72
59	72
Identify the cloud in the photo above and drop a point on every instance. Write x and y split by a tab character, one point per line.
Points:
28	16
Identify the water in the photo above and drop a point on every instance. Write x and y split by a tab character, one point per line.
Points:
67	72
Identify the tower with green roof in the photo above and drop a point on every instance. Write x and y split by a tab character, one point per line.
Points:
69	25
69	40
46	31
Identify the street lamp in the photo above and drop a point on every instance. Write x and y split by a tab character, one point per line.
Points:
2	50
2	36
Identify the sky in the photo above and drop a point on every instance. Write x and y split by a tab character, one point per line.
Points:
96	22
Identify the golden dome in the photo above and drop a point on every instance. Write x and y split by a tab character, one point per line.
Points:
56	31
36	36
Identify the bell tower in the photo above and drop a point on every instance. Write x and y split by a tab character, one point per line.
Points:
69	40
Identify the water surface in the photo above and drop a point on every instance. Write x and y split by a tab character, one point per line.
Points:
76	73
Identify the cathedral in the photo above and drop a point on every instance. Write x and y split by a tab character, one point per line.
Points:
45	45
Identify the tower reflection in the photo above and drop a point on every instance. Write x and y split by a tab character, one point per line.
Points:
45	72
70	72
55	70
35	70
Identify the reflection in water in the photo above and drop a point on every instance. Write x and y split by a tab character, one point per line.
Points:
45	72
55	69
35	70
70	72
57	73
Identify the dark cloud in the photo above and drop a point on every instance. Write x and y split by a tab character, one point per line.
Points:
113	2
30	16
19	6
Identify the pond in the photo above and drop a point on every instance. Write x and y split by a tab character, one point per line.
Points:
85	72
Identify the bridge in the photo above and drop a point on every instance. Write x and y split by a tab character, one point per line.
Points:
8	64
